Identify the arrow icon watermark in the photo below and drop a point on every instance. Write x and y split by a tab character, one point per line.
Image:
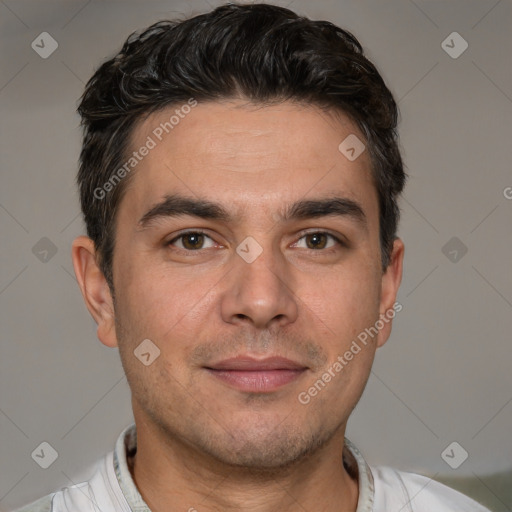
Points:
146	352
454	455
351	147
249	249
44	45
45	455
454	45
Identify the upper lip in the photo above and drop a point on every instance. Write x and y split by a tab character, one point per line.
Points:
247	363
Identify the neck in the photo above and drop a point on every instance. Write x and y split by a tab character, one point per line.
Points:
172	477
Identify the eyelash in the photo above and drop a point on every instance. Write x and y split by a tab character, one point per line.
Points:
330	235
303	235
182	235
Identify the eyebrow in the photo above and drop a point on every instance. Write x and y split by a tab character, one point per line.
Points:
338	206
177	205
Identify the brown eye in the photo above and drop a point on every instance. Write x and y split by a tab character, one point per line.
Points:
191	241
316	241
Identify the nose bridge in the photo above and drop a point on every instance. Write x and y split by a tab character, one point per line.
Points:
264	276
260	288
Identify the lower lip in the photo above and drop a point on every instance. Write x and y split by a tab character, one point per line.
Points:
260	381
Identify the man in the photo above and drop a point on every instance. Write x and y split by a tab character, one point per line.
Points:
239	180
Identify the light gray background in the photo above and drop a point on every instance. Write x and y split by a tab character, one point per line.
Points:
445	373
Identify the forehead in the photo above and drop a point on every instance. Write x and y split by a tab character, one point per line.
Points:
247	156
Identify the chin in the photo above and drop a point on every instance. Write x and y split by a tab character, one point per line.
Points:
275	450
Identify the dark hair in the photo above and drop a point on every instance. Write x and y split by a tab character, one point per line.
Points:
263	53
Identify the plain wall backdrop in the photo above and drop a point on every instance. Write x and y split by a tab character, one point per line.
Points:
443	376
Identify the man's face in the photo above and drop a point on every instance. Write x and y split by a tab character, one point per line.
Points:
291	290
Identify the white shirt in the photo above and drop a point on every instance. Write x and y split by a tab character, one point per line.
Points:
381	489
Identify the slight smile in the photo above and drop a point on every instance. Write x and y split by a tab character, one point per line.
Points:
257	376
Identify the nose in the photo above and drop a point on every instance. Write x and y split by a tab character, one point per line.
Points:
260	293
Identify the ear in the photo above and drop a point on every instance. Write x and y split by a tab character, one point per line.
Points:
391	280
94	288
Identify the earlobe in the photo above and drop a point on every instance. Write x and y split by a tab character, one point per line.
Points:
94	288
391	280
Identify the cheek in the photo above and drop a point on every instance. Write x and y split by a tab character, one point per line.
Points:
144	291
345	302
167	306
349	304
